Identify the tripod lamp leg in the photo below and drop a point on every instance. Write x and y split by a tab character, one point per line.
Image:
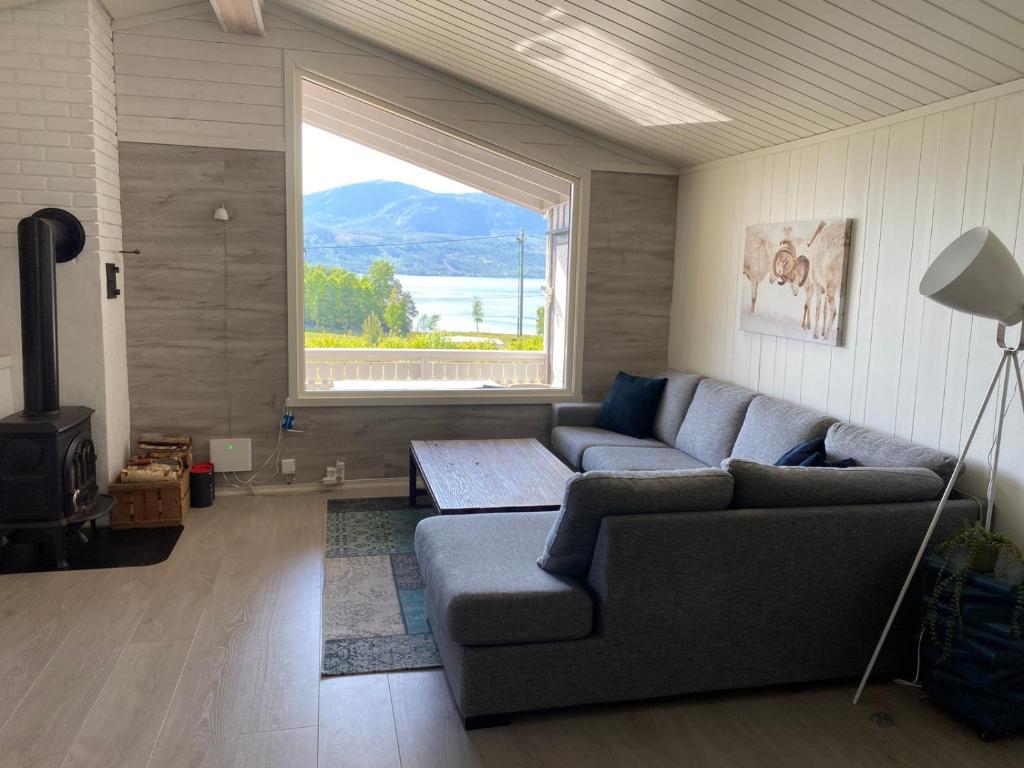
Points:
990	496
1004	361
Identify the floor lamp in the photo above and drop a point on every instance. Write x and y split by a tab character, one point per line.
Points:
975	274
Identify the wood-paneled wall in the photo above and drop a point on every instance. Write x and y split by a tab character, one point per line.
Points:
207	341
908	366
629	276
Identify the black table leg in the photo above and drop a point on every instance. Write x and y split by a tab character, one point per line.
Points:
412	479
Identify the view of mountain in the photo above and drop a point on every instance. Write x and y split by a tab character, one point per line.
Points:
420	232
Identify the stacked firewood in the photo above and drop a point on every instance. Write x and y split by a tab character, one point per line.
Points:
158	458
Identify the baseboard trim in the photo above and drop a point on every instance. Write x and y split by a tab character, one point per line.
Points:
362	488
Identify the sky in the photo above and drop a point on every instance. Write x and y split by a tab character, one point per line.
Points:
331	161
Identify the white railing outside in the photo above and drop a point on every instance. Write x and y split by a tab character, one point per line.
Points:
330	369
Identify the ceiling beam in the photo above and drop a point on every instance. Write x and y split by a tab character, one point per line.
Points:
240	16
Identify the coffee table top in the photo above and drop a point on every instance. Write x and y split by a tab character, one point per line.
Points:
490	475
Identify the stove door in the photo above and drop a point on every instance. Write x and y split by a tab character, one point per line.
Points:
80	476
28	486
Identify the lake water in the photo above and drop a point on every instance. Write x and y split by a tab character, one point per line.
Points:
452	299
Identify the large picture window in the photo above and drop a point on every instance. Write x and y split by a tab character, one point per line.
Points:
429	266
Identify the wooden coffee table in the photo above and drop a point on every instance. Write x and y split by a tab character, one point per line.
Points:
487	475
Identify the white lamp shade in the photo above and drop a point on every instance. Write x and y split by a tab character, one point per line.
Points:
978	275
221	214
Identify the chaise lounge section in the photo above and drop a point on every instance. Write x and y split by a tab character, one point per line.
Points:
665	574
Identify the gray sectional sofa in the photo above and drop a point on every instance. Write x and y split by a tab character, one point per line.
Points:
683	562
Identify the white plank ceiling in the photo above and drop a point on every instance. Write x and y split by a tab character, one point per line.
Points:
696	80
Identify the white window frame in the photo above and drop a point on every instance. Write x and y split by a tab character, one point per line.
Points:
298	396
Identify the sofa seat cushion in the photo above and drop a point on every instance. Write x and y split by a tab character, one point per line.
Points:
873	449
762	485
617	458
570	442
483	584
773	427
592	496
713	420
675	402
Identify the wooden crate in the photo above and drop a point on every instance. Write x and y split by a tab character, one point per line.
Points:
150	505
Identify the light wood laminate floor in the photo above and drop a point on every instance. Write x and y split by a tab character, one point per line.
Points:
212	659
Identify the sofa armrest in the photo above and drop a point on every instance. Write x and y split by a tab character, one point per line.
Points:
574	414
813	584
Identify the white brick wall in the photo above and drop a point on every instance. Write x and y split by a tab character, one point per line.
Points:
105	198
58	147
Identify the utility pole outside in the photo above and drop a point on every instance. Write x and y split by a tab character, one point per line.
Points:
522	268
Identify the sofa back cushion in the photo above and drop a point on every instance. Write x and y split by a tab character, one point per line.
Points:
772	427
590	497
762	485
713	420
872	449
675	401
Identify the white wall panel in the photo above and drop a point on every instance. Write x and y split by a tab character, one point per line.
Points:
907	367
183	81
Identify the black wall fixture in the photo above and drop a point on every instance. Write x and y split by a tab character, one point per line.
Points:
112	271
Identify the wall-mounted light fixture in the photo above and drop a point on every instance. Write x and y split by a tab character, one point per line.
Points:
221	214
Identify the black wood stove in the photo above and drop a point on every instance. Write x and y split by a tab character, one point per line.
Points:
47	458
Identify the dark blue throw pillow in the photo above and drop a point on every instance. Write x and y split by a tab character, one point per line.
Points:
797	456
631	405
812	454
819	460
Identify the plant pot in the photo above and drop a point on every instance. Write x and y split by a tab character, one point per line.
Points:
985	558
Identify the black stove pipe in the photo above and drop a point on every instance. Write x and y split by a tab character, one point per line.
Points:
46	237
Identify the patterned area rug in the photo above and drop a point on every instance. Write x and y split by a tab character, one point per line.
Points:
374	616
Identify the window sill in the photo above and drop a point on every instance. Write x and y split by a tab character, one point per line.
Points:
524	396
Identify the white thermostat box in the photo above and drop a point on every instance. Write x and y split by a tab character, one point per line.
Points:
231	454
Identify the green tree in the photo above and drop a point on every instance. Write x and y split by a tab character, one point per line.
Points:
380	278
339	300
394	314
349	304
428	323
478	312
372	330
540	321
315	291
399	311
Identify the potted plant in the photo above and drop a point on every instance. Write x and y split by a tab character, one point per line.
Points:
972	548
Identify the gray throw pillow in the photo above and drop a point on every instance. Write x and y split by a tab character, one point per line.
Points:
762	485
590	496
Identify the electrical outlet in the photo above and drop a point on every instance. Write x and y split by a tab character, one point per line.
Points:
287	466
